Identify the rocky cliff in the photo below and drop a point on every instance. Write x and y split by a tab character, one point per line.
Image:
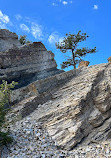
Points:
57	110
24	64
75	112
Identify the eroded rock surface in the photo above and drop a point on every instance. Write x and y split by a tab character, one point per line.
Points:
80	106
24	64
79	112
65	110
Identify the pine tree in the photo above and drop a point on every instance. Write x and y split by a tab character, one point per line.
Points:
71	43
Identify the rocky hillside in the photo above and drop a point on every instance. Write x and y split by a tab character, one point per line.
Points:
78	112
57	114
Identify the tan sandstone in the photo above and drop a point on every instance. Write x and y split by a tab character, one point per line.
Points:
83	64
109	60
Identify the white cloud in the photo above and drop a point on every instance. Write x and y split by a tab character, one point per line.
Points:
54	4
36	31
54	37
24	27
65	2
95	7
18	16
4	18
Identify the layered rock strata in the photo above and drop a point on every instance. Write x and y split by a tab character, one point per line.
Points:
27	63
79	111
42	87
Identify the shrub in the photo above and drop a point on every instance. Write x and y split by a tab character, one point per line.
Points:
5	90
23	40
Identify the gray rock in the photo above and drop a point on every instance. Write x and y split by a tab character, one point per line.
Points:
8	40
24	64
78	114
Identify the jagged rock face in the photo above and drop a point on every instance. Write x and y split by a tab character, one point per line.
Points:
27	63
8	40
79	111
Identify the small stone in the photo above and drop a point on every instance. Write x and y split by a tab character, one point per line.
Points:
37	134
76	156
28	132
43	155
107	151
87	149
31	148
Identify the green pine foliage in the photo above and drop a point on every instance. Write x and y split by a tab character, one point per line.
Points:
71	43
5	90
23	40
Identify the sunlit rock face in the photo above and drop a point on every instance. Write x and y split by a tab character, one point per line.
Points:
26	63
79	113
74	106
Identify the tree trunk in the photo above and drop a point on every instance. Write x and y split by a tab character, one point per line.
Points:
73	55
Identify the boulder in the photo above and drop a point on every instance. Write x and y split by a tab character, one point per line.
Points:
83	64
109	60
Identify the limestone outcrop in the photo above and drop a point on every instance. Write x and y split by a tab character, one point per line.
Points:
74	107
77	111
25	64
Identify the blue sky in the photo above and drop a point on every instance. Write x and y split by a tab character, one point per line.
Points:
49	20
